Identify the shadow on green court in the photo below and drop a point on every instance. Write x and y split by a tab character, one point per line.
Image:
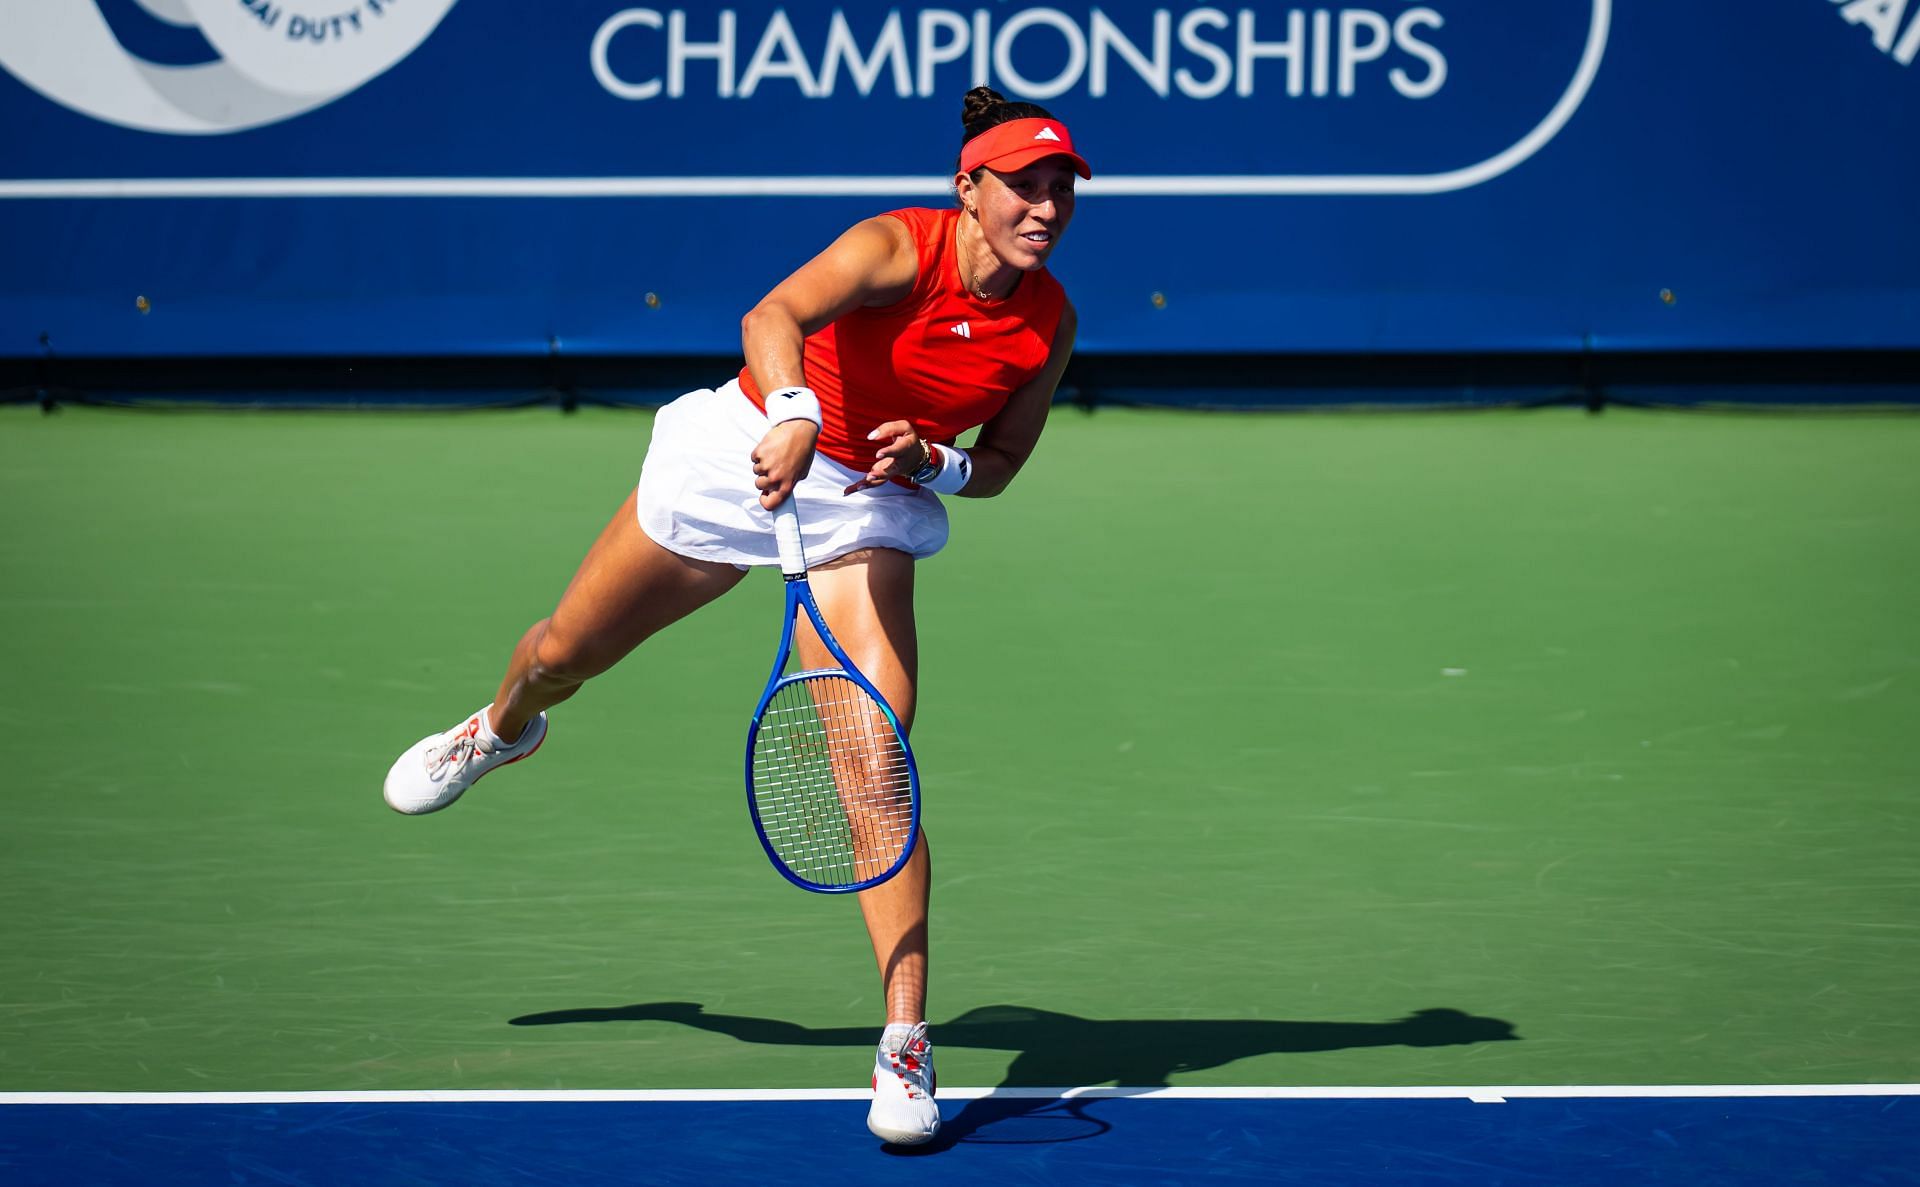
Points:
1061	1050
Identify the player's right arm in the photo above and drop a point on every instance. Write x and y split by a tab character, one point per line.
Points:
873	263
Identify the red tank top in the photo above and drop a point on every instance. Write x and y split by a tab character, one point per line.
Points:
939	357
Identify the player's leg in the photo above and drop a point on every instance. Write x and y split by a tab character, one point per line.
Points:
867	597
627	588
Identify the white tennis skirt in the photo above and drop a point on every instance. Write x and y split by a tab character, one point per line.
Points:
697	498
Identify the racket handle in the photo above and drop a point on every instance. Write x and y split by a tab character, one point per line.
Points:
786	530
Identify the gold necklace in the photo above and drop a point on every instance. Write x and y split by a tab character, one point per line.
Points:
979	290
973	284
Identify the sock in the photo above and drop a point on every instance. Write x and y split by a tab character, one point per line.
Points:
899	1033
486	731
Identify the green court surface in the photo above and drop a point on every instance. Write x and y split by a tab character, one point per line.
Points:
1246	738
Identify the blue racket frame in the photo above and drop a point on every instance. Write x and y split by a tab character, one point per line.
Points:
800	598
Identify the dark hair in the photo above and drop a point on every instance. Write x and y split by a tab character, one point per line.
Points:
985	108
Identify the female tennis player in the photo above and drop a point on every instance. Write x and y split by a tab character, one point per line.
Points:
861	370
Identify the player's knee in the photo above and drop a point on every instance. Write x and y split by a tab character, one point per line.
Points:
560	660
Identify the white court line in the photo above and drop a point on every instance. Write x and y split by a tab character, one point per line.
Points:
1485	1094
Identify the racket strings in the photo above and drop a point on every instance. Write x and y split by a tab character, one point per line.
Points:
831	782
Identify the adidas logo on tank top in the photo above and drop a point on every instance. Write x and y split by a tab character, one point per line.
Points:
963	329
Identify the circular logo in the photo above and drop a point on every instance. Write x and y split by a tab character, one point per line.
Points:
275	59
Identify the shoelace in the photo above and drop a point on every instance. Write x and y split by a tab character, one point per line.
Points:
908	1061
456	752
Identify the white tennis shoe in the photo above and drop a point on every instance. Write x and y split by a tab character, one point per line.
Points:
903	1111
439	767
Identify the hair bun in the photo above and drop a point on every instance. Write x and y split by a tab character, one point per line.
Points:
979	105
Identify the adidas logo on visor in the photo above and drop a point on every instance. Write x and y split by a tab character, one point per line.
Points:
1047	134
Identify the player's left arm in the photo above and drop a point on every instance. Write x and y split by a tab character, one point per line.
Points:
1008	440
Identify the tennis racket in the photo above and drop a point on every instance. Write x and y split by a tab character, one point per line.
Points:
831	782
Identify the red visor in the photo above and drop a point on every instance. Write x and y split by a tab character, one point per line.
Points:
1019	143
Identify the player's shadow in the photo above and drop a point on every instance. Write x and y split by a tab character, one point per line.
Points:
1055	1050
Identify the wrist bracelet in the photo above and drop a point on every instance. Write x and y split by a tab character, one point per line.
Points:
952	470
929	469
793	403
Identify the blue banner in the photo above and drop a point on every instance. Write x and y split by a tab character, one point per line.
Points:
427	177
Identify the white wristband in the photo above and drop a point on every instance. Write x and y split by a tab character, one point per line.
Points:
793	403
956	469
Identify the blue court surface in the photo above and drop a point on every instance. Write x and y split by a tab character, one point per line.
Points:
1868	1134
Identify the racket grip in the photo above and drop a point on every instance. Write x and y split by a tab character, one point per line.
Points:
786	531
